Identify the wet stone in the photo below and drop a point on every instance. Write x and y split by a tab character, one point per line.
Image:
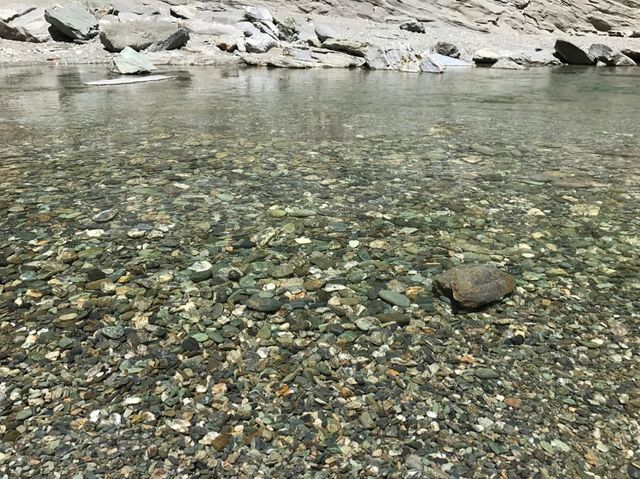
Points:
474	286
113	332
264	305
392	297
486	373
105	216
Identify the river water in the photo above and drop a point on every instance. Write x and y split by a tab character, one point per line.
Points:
114	199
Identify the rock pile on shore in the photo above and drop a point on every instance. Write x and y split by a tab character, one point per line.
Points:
199	31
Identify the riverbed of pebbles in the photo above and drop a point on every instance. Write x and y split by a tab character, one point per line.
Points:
211	306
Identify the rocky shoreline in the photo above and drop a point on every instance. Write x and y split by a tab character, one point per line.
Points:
213	33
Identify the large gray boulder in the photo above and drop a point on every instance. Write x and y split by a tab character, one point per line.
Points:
140	35
72	21
447	61
30	27
303	57
131	62
260	43
573	54
487	56
633	53
473	286
601	53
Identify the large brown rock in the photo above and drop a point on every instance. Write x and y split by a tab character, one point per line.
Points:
474	286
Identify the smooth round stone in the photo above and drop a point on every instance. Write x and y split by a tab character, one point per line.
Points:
486	373
264	305
105	216
366	323
200	337
397	299
190	344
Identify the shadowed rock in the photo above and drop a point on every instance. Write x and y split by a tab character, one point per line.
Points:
473	286
572	54
72	21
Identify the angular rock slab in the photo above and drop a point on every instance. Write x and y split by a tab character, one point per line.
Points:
601	53
474	286
14	11
30	27
139	35
572	54
72	21
131	62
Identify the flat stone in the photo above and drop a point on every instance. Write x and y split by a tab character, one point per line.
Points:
105	216
448	61
30	27
351	47
485	373
264	305
397	299
506	64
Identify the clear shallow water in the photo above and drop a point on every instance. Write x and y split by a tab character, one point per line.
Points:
364	180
